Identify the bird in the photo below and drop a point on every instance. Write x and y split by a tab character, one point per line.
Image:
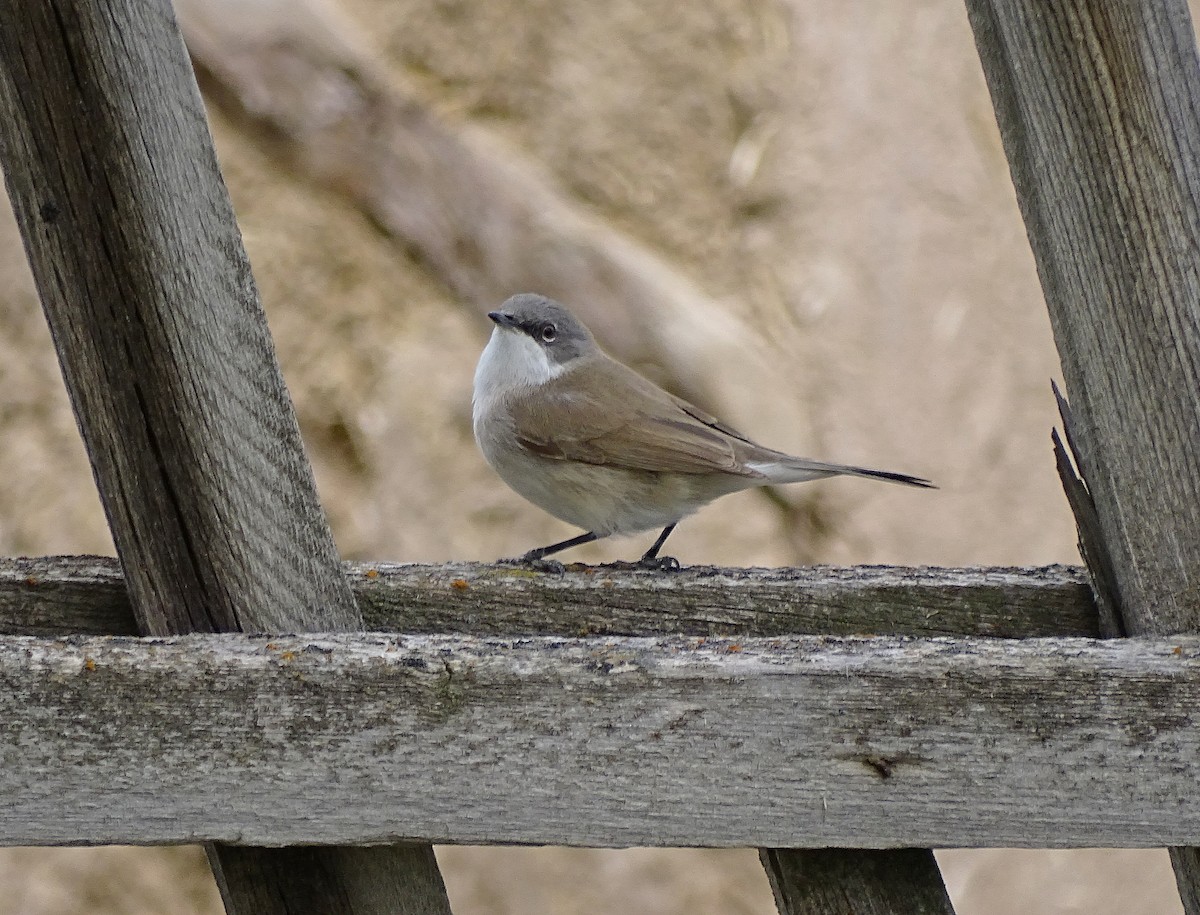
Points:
597	445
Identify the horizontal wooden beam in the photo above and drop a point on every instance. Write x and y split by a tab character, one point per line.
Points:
800	741
85	595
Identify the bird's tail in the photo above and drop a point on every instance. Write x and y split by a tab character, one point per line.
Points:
798	470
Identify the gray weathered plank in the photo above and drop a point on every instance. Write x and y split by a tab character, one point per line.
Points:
800	741
1099	107
1098	104
398	879
84	595
830	881
170	367
159	331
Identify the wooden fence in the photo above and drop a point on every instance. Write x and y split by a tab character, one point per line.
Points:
477	704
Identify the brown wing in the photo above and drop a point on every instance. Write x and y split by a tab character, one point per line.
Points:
623	420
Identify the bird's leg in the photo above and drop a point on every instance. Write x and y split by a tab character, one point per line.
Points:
537	557
543	551
651	560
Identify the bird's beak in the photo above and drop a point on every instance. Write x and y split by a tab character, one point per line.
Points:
502	319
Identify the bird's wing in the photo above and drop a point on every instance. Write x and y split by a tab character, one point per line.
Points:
625	421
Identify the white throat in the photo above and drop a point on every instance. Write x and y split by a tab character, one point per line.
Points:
510	360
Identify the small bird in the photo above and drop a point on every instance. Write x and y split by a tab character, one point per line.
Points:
595	444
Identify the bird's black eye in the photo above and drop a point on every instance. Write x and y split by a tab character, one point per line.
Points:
548	333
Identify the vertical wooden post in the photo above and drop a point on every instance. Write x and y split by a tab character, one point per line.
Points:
171	370
1098	103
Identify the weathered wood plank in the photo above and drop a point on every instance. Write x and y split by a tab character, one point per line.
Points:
832	881
300	877
1099	109
798	741
84	595
171	370
157	324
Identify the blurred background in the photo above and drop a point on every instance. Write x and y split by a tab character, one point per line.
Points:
798	214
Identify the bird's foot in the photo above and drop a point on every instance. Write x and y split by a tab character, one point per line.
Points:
659	563
535	563
646	564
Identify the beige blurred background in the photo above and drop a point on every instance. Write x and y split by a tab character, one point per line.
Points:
828	174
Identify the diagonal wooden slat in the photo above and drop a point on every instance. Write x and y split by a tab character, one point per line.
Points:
815	882
1098	104
171	370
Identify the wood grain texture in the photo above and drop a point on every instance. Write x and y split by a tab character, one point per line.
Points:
64	595
399	879
1099	109
84	595
170	367
832	881
157	323
800	741
1091	538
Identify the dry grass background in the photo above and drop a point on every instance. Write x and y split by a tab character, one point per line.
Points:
830	173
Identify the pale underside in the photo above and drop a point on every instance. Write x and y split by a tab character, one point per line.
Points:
616	455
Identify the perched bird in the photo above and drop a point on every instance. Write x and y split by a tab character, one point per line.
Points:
593	443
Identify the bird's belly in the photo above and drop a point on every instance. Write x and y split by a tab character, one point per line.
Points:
604	500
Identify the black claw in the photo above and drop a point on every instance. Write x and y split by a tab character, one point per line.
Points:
535	563
659	563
